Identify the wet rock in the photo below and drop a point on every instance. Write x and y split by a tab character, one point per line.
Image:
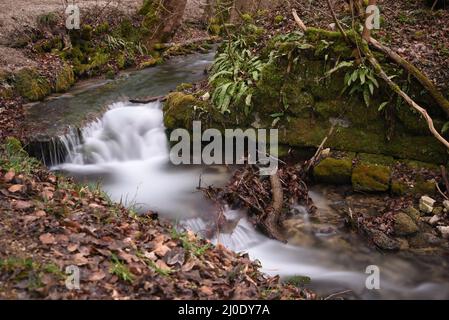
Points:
444	230
426	204
404	225
434	220
413	213
446	204
437	211
383	241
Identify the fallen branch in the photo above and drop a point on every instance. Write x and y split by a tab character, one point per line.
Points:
395	88
337	22
425	82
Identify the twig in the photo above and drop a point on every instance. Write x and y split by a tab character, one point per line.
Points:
299	21
337	294
444	174
337	22
441	192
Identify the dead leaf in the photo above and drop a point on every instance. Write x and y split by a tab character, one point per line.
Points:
206	290
72	247
79	259
47	238
16	188
22	205
97	276
9	176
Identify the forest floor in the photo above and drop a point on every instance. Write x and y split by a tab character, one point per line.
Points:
49	223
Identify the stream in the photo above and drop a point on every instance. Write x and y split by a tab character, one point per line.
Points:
127	151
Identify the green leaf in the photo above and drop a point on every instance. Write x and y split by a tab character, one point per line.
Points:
366	97
445	127
248	99
383	105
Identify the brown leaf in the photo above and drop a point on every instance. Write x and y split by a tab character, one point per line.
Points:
16	188
97	276
47	238
72	247
9	176
79	259
22	205
206	290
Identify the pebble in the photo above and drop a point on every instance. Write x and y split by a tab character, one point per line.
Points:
444	230
426	204
446	204
434	220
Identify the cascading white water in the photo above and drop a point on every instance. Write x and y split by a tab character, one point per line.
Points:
127	151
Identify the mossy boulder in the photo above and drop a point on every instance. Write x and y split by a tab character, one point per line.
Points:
31	85
179	110
335	169
371	178
64	79
419	186
414	178
404	225
372	173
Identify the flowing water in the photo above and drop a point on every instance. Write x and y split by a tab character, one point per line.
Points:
127	151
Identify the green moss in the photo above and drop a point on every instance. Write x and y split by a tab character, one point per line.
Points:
178	110
86	32
371	178
47	20
214	29
247	18
65	79
121	61
102	28
375	159
31	85
334	170
150	62
278	19
150	10
48	45
126	28
184	86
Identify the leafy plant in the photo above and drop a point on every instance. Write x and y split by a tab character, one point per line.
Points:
361	80
118	44
234	73
16	158
119	269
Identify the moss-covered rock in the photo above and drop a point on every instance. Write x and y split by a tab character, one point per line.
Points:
371	173
335	169
148	63
31	85
404	225
178	110
64	79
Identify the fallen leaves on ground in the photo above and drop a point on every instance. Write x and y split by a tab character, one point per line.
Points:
119	256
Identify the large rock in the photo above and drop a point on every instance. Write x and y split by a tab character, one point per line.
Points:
372	173
335	169
404	225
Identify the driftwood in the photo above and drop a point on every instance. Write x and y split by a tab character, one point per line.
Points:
146	100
